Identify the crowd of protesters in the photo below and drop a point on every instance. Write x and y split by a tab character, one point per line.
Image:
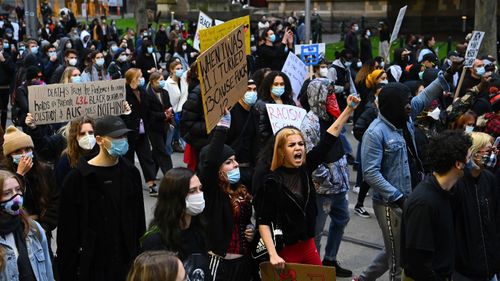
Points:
428	157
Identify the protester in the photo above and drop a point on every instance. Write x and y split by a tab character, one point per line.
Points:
98	233
70	59
157	265
71	75
21	236
177	88
97	70
147	61
119	66
7	74
273	55
176	225
351	40
365	52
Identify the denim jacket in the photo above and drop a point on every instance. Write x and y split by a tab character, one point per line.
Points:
38	252
384	153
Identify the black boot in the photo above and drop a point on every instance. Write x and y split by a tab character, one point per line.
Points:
339	271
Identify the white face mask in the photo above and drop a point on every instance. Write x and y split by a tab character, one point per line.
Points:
72	62
323	71
469	129
87	142
195	204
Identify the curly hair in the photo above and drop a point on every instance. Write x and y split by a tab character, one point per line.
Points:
446	148
236	195
264	91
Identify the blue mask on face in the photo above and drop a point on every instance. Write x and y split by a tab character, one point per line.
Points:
6	45
250	97
179	73
233	176
142	81
34	50
150	50
278	90
162	83
16	158
119	147
114	48
76	79
480	71
272	38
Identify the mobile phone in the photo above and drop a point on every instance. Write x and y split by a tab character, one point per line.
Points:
497	142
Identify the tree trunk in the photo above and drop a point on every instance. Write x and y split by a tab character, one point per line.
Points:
485	19
140	14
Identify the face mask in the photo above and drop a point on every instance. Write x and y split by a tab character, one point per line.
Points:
382	64
195	204
348	64
323	71
278	90
76	79
34	50
179	73
272	38
99	62
13	205
470	165
119	147
480	71
184	47
87	142
162	84
384	82
356	28
122	58
52	54
490	161
16	158
6	45
150	50
233	176
72	62
359	64
368	33
469	129
250	97
142	81
421	75
145	34
253	49
114	48
22	48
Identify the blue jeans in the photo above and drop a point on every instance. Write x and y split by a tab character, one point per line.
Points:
359	173
337	207
170	135
345	142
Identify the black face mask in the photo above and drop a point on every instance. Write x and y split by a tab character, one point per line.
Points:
393	100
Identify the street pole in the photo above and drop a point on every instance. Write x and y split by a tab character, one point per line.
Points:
31	19
307	35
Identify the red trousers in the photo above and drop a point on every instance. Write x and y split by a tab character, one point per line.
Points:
303	252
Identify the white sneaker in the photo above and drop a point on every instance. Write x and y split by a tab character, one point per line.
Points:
356	189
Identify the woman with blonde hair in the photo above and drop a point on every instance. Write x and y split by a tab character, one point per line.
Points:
71	74
157	265
287	199
24	251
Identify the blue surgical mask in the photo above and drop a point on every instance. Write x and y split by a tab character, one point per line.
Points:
119	147
150	50
52	54
278	90
272	38
142	81
99	62
13	205
6	45
34	50
480	71
233	176
16	158
162	83
114	48
179	73
250	97
76	79
348	64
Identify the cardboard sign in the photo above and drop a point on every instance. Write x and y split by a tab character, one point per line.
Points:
204	22
310	54
296	70
297	272
57	103
397	25
210	36
282	115
473	48
222	71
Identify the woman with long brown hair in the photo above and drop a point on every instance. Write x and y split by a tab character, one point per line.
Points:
157	265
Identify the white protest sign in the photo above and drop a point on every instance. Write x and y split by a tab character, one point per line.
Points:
397	25
282	115
204	22
58	103
296	70
473	48
218	22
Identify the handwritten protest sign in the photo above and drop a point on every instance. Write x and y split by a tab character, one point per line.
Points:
65	102
296	70
297	272
310	53
282	115
222	71
204	22
212	35
473	48
397	25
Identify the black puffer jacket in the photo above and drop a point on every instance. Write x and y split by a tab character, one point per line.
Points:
193	128
364	120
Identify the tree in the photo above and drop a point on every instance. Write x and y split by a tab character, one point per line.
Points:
485	19
141	16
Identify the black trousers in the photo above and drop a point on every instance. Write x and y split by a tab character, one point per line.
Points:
161	158
4	103
240	269
140	145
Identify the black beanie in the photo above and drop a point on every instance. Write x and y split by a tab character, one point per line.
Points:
392	101
226	152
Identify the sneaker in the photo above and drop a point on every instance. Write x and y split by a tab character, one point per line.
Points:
339	271
356	189
153	191
357	278
360	211
176	146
